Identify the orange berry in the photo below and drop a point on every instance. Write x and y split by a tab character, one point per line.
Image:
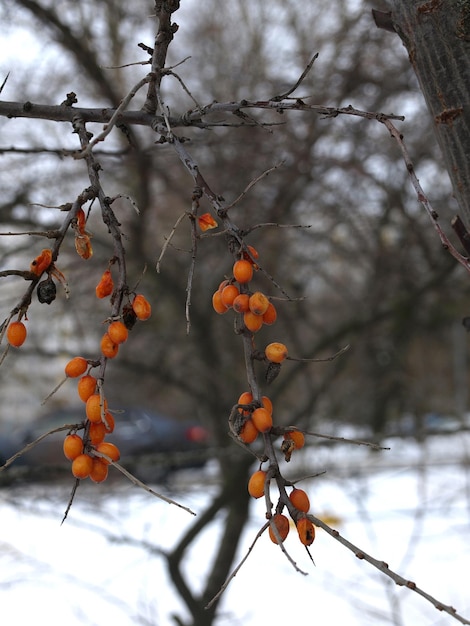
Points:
109	349
206	222
106	285
141	307
110	450
99	471
94	406
297	437
254	254
218	305
242	271
268	405
262	419
82	466
72	446
97	432
118	332
16	334
228	295
306	531
83	246
245	398
300	500
276	352
248	432
258	303
241	303
41	262
223	284
282	524
270	315
252	322
76	367
256	484
86	387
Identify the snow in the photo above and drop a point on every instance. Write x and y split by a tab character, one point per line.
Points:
408	506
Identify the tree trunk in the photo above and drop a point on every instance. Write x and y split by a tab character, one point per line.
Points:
437	37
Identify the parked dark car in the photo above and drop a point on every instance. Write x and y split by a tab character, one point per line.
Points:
151	444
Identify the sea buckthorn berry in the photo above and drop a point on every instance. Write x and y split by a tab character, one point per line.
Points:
242	271
228	295
76	367
297	437
276	352
41	262
86	387
128	316
110	450
82	466
118	332
262	419
83	246
81	221
245	398
258	303
282	524
241	303
267	404
270	315
97	432
16	334
300	500
306	531
206	222
223	284
256	484
141	307
106	285
99	471
248	432
109	349
254	255
72	446
94	406
252	322
217	304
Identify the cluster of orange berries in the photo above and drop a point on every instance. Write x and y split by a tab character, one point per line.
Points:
299	506
85	453
253	417
99	423
256	308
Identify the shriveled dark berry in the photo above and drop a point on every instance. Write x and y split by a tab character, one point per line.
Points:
46	291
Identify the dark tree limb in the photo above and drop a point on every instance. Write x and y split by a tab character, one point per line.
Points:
436	35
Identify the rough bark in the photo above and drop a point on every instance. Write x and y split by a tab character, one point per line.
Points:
436	35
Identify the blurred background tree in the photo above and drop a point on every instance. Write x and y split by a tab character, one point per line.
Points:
359	258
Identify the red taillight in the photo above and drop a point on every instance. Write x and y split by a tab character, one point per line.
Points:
198	434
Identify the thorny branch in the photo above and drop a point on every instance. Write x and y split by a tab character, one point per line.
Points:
164	124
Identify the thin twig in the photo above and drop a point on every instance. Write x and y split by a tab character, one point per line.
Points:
253	183
422	198
31	445
168	239
115	117
299	81
139	483
323	360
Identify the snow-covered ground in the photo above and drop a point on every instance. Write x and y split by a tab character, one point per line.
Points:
409	506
